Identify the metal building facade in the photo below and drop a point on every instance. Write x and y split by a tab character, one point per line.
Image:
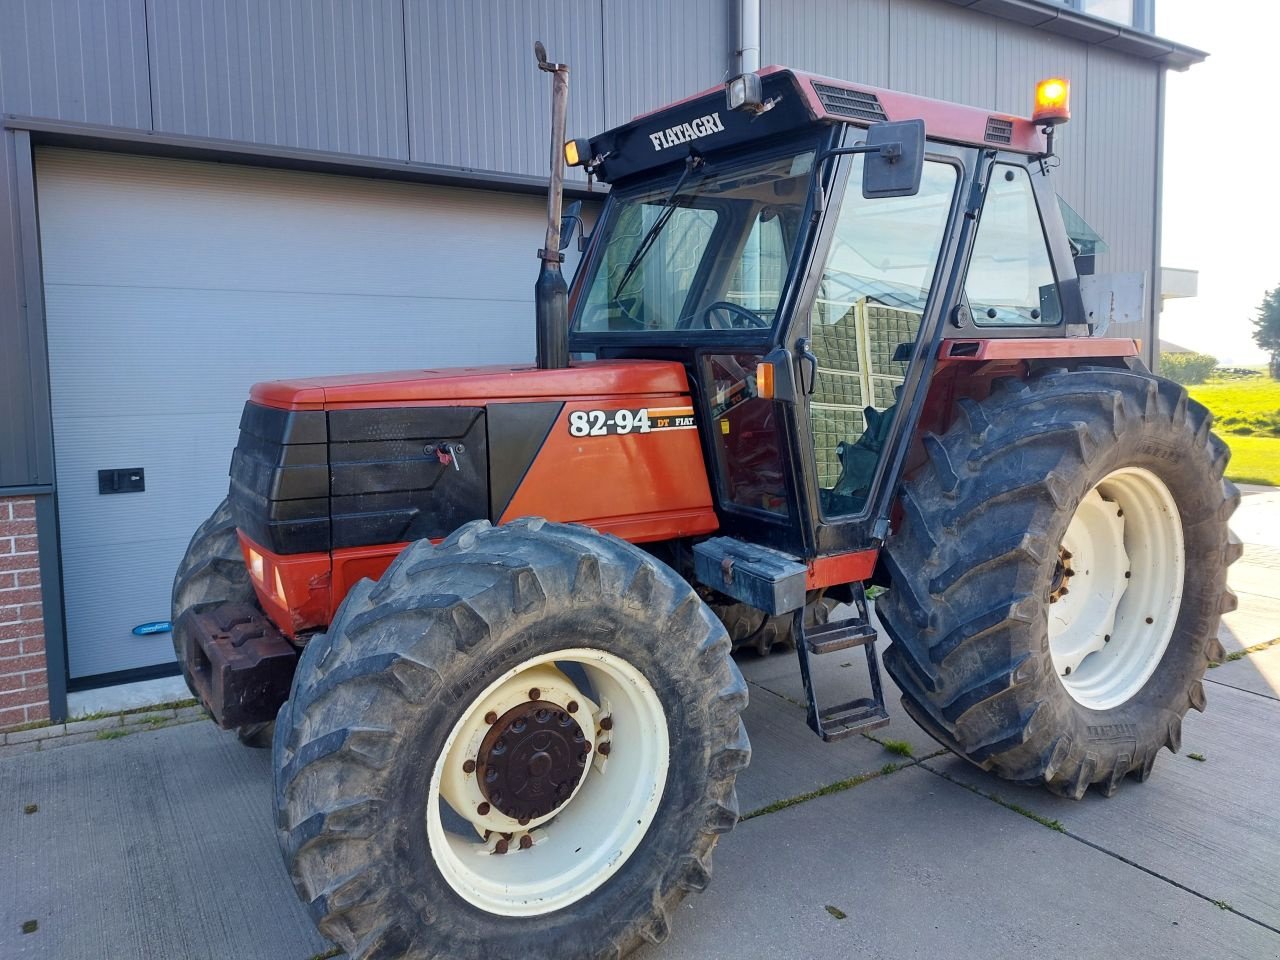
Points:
444	91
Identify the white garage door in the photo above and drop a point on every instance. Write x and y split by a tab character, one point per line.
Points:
171	286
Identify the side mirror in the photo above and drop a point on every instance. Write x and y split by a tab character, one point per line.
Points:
570	221
894	162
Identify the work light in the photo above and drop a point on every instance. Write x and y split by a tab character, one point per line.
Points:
745	92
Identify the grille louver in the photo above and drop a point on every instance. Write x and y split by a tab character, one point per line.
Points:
844	102
999	130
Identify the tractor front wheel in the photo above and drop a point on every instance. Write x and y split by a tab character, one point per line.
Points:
520	742
1059	574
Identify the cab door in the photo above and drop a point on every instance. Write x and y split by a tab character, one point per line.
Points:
880	284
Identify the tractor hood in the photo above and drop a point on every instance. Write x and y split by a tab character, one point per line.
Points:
591	378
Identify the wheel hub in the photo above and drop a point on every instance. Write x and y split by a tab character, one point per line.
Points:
531	760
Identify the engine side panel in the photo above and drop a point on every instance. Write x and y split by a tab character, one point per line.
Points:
597	467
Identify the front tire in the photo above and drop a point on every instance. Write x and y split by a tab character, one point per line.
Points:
409	819
1001	647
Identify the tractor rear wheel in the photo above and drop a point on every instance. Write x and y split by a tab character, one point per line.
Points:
1059	574
520	742
213	571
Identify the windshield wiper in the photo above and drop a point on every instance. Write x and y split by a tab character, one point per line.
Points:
668	208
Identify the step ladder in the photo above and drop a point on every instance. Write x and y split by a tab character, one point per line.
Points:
857	716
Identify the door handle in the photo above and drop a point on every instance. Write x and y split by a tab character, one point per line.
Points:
805	356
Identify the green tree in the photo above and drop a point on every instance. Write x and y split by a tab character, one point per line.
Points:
1266	329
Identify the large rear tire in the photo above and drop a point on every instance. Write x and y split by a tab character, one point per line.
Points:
410	718
1059	574
213	571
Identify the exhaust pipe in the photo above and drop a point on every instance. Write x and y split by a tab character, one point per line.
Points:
551	293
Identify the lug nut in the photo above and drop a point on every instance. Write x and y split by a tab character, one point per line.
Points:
1068	572
573	706
1063	592
535	694
524	821
606	723
1106	638
605	748
1149	620
469	767
526	842
491	718
483	809
501	846
586	747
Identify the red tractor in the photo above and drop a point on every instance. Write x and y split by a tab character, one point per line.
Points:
825	337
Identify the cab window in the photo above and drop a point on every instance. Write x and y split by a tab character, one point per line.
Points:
711	256
865	319
1010	280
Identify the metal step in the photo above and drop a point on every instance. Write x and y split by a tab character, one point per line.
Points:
856	716
841	635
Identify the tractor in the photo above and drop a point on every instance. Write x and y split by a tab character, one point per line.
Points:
823	338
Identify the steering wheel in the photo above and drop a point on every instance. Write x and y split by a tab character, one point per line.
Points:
741	318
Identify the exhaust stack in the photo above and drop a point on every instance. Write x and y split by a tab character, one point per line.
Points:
551	293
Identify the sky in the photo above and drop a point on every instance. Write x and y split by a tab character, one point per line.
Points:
1222	172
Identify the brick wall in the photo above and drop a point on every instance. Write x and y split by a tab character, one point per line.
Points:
24	683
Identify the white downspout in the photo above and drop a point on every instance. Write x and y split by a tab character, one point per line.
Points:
746	56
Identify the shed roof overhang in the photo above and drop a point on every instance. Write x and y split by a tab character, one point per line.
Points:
1095	31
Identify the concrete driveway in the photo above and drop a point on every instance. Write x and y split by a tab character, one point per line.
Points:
159	845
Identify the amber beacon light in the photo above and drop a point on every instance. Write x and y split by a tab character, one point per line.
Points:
1053	101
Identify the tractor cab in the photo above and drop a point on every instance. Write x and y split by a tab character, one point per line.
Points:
809	256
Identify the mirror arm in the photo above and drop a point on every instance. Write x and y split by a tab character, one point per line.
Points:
891	151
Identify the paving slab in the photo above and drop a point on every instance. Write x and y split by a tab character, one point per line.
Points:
788	759
154	846
1257	673
1212	825
925	869
1256	620
1257	519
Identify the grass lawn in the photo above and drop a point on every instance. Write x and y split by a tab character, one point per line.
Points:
1247	416
1249	406
1253	459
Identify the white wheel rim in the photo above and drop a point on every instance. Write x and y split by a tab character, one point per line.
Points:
1109	628
582	843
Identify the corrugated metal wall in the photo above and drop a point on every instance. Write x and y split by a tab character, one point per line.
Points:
329	76
452	82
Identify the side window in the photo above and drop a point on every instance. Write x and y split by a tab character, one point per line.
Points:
746	431
871	296
1010	281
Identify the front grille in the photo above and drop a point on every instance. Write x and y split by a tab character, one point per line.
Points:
999	130
844	102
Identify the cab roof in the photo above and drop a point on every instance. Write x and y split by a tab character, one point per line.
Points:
799	99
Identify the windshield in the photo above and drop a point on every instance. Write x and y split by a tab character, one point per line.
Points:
713	254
